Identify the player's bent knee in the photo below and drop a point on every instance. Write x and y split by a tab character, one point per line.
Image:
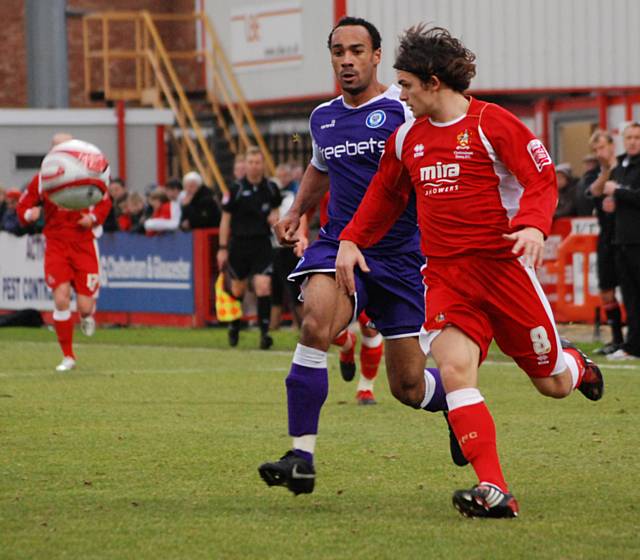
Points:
407	393
455	370
315	334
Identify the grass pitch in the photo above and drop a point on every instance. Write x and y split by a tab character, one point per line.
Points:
150	450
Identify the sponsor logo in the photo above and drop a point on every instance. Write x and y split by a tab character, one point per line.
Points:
538	154
299	475
370	146
329	124
418	150
441	178
376	119
440	173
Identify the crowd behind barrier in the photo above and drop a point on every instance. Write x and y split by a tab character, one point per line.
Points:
597	206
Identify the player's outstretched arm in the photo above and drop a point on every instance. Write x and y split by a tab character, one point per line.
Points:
102	209
28	208
313	187
384	202
349	256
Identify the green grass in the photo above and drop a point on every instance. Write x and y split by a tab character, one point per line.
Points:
149	450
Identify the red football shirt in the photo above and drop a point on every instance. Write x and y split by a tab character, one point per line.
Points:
476	178
60	223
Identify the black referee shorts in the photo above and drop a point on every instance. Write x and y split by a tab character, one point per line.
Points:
250	256
607	269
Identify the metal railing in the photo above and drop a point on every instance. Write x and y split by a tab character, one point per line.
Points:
152	79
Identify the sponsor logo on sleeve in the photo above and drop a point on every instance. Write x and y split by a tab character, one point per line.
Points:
376	119
538	154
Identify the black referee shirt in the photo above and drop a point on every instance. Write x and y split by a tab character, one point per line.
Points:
250	206
627	198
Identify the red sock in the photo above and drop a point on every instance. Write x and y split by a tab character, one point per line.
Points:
476	433
579	362
370	360
340	340
64	331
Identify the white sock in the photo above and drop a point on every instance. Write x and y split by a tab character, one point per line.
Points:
305	443
365	384
310	357
573	368
61	314
372	341
463	397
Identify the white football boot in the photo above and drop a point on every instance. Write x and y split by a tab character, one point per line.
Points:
88	325
67	364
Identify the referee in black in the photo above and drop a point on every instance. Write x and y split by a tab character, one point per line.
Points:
622	199
245	240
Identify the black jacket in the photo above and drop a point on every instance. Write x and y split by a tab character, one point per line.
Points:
202	211
627	198
605	220
250	206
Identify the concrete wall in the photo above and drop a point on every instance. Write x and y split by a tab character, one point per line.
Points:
29	132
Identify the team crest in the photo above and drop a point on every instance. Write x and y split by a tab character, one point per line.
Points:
463	146
376	119
440	317
463	139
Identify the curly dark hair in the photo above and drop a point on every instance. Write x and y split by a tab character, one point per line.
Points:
376	41
428	52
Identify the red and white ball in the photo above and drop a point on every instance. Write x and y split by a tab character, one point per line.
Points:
74	175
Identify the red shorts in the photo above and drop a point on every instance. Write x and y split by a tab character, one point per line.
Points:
75	262
490	298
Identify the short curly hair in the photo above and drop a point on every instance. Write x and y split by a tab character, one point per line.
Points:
428	52
376	41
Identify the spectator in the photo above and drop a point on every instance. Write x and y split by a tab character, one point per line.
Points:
622	198
3	202
592	183
199	207
297	171
9	221
591	163
567	192
285	258
118	194
249	211
168	216
132	220
160	206
239	167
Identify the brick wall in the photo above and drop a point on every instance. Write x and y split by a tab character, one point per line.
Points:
13	70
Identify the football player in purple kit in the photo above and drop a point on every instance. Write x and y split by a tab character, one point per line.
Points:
349	135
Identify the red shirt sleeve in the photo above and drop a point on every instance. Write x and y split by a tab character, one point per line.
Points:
29	198
102	209
386	198
528	160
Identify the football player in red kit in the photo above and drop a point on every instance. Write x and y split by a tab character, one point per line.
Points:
486	194
70	260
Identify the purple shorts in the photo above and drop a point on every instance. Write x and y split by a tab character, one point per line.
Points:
392	294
